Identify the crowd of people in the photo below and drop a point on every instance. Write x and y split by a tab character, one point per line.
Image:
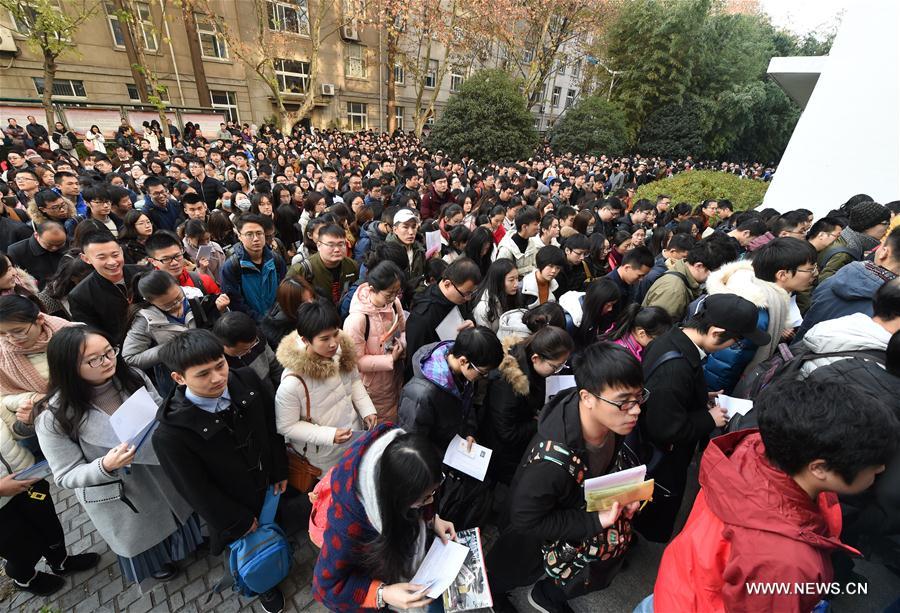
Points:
284	299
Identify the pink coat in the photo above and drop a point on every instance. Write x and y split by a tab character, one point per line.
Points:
381	376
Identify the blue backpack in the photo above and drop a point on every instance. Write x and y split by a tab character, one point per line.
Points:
262	559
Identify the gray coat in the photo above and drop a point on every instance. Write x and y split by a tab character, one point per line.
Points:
108	497
149	333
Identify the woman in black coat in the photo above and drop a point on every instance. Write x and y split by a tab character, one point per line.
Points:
516	395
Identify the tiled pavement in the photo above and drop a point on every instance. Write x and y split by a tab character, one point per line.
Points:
101	590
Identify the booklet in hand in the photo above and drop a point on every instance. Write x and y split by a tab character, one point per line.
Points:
624	487
470	589
134	420
38	470
440	567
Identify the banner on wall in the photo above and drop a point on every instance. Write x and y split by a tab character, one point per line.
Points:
80	121
208	122
21	113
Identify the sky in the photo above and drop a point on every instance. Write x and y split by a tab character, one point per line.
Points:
804	16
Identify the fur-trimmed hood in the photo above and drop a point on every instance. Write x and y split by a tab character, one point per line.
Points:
737	278
511	370
292	354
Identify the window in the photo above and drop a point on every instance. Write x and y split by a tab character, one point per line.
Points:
398	115
431	75
148	31
561	67
554	100
429	123
355	66
357	116
227	101
24	26
528	56
576	68
212	43
293	76
399	74
457	76
570	97
70	88
133	93
288	16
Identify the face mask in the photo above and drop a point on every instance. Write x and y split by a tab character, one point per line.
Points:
226	204
243	205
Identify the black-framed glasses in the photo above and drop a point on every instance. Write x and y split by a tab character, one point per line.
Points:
172	305
107	356
19	333
465	295
625	405
481	372
169	259
430	496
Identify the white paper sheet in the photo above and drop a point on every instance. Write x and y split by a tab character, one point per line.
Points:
204	251
132	421
474	463
623	477
35	471
794	317
432	240
448	329
557	383
733	406
440	567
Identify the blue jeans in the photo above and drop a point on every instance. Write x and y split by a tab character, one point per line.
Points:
645	606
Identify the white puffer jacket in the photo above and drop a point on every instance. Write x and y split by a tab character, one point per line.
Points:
337	398
13	457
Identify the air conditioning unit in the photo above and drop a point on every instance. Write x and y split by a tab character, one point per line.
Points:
7	42
350	31
327	89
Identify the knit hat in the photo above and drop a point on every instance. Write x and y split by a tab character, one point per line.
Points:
867	215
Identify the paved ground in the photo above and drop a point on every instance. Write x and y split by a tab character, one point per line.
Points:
102	591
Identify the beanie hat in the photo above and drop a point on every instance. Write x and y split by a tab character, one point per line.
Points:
867	215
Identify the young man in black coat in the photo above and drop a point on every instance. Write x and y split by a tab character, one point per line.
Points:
217	441
681	413
547	503
455	289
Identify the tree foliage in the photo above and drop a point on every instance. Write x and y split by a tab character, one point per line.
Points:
487	120
593	126
691	77
696	185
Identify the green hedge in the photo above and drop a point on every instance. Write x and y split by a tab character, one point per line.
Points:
696	186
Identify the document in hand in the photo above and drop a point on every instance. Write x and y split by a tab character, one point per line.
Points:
470	589
432	242
733	406
624	487
449	326
440	567
556	384
134	420
474	463
38	470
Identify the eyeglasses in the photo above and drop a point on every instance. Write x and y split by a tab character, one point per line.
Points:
143	222
108	356
18	333
557	368
56	207
482	373
625	405
425	500
465	295
249	349
169	259
578	253
172	305
332	246
252	235
811	271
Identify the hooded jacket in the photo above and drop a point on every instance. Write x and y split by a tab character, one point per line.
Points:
369	238
516	395
432	403
673	292
531	293
337	399
855	332
850	290
524	260
416	269
379	372
751	523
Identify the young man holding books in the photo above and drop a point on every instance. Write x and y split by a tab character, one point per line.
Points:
767	512
547	502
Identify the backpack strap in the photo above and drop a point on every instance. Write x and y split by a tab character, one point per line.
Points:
666	357
559	454
368	328
197	280
833	251
270	506
680	275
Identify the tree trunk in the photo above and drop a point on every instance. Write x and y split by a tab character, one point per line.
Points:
190	28
391	61
131	51
47	96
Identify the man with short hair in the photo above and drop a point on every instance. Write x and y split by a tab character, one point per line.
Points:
194	207
679	414
662	205
744	233
677	248
50	206
27	185
404	232
40	254
329	178
102	298
680	284
245	347
329	270
823	233
409	190
576	274
36	131
209	188
518	246
165	252
869	222
850	290
640	216
636	264
216	440
163	210
609	211
430	306
437	196
250	276
99	203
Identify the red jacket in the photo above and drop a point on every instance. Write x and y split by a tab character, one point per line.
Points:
751	523
432	202
209	285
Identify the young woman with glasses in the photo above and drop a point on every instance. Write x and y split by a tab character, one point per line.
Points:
123	490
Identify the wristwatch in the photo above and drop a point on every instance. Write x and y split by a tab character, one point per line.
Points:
379	597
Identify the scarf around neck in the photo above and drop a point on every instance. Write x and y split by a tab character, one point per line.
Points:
17	374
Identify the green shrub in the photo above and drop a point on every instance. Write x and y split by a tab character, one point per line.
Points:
593	126
487	120
696	186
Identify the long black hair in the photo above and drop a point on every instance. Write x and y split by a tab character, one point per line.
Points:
409	469
593	322
493	285
64	354
653	320
548	343
480	237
